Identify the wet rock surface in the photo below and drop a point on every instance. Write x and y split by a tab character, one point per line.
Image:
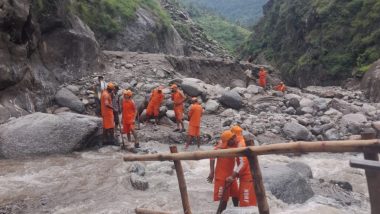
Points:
45	134
286	184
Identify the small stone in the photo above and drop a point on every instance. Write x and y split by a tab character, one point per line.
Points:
139	182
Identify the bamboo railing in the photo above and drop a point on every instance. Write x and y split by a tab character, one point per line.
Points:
369	146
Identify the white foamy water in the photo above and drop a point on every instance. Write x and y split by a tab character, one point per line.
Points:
98	182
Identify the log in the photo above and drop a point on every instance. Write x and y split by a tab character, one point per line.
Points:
258	183
373	177
281	148
365	164
146	211
181	183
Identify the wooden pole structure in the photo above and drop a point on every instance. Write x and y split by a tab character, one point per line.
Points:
281	148
146	211
258	183
181	183
373	177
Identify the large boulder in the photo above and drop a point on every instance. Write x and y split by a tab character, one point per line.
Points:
303	169
231	99
296	131
343	106
44	134
371	82
354	122
66	98
286	184
192	87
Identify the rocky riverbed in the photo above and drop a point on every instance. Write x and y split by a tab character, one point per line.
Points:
55	165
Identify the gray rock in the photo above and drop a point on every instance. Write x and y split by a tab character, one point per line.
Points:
376	125
302	168
192	87
45	134
290	111
354	122
343	106
294	103
73	88
66	98
296	131
139	182
306	103
331	134
286	184
254	89
212	106
171	115
237	83
231	99
137	168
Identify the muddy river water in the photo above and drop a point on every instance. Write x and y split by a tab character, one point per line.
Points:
98	181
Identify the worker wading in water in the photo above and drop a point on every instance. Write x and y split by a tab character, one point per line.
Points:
195	116
178	99
223	190
262	78
247	195
107	115
153	108
129	112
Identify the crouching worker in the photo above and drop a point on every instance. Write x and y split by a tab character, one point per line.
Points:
128	116
223	190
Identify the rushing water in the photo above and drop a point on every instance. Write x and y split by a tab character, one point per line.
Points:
98	182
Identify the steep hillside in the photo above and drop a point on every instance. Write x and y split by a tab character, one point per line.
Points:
318	41
228	34
243	12
134	25
42	45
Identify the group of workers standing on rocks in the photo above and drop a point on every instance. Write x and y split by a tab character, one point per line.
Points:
110	106
232	177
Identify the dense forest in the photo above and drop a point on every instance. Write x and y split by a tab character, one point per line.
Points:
318	41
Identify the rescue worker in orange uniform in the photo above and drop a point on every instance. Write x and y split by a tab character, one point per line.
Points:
128	116
107	114
262	77
153	108
247	195
195	115
280	87
178	99
224	168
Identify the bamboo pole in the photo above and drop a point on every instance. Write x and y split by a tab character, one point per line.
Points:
258	183
281	148
181	183
373	177
146	211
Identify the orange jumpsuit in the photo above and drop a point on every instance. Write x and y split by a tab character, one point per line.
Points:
247	195
263	78
129	115
107	113
195	115
224	168
178	99
156	99
280	87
